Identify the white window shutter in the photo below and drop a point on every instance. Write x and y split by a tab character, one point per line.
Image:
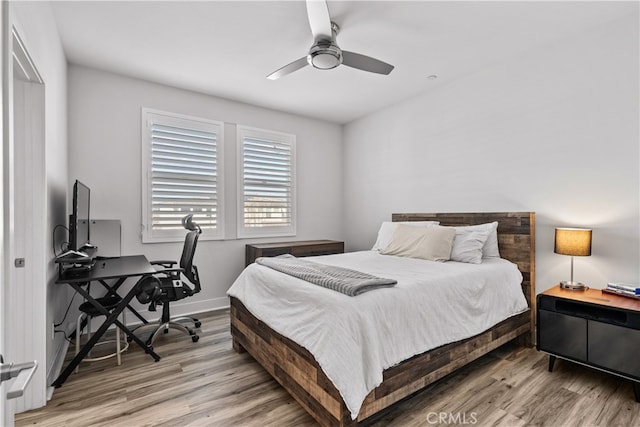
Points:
266	183
183	176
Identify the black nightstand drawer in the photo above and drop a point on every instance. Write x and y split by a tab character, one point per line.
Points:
614	347
563	335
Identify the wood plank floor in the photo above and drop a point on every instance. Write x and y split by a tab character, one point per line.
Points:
208	384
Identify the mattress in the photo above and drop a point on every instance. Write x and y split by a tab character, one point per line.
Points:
354	339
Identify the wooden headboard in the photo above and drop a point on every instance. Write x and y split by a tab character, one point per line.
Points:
516	239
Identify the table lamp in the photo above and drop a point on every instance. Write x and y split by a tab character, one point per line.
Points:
574	242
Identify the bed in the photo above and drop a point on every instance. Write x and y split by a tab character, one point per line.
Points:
298	371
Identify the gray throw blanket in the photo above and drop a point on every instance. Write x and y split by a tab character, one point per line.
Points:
349	282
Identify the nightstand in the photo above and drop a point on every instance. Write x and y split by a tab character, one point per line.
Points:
593	328
298	249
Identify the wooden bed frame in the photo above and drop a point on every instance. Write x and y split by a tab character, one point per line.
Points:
299	373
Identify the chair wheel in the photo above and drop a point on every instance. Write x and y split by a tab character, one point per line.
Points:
195	338
197	324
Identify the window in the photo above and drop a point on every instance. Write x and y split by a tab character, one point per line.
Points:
181	174
266	183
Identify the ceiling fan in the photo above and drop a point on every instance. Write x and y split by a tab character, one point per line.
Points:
325	54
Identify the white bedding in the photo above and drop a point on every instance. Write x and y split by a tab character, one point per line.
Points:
354	339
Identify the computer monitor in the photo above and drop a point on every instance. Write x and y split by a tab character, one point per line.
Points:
79	220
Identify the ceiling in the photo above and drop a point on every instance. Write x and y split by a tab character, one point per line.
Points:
227	48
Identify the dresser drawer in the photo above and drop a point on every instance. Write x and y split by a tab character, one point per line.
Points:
315	250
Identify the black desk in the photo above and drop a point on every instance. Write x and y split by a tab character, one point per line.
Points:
114	268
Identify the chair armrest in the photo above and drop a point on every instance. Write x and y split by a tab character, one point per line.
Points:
171	270
172	273
166	264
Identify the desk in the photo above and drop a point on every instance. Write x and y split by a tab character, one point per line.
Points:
113	268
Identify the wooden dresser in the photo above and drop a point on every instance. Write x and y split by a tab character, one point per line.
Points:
298	249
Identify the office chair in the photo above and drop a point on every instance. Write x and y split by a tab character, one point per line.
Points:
167	285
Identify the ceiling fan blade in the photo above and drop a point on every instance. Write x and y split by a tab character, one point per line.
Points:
366	63
289	68
319	19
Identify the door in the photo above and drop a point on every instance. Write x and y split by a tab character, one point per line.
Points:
6	416
23	263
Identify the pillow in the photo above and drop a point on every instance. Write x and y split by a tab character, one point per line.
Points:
490	248
432	243
467	246
387	228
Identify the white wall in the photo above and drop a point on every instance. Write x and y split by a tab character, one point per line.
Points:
105	151
554	130
35	23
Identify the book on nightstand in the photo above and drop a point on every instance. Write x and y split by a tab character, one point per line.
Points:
632	291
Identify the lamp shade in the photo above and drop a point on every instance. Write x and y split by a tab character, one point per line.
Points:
573	241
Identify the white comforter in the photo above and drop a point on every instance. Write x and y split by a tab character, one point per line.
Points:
354	339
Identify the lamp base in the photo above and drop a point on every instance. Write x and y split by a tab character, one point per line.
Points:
574	286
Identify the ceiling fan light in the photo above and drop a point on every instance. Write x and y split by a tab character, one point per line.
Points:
324	60
324	55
